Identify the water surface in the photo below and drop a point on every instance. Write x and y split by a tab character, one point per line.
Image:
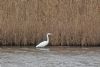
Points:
50	57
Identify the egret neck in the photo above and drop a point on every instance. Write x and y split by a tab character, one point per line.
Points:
47	37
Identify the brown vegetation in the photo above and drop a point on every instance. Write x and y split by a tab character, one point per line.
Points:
72	22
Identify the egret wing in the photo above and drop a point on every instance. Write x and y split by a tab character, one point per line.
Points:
42	44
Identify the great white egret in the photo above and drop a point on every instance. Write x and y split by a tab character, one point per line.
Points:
44	43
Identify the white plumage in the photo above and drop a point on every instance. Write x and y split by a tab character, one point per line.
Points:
44	43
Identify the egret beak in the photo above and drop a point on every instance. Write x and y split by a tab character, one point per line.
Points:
49	33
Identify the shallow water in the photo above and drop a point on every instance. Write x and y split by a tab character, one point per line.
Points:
50	57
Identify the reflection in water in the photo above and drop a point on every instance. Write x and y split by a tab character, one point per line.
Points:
45	49
50	57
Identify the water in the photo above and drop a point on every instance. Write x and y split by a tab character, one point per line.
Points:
50	57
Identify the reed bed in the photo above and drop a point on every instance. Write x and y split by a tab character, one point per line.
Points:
72	22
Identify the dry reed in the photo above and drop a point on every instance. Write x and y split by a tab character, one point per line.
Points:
72	22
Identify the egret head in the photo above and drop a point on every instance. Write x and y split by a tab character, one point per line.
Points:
49	33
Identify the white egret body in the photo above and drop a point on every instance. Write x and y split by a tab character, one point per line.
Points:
44	43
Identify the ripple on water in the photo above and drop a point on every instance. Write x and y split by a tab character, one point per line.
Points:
50	57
